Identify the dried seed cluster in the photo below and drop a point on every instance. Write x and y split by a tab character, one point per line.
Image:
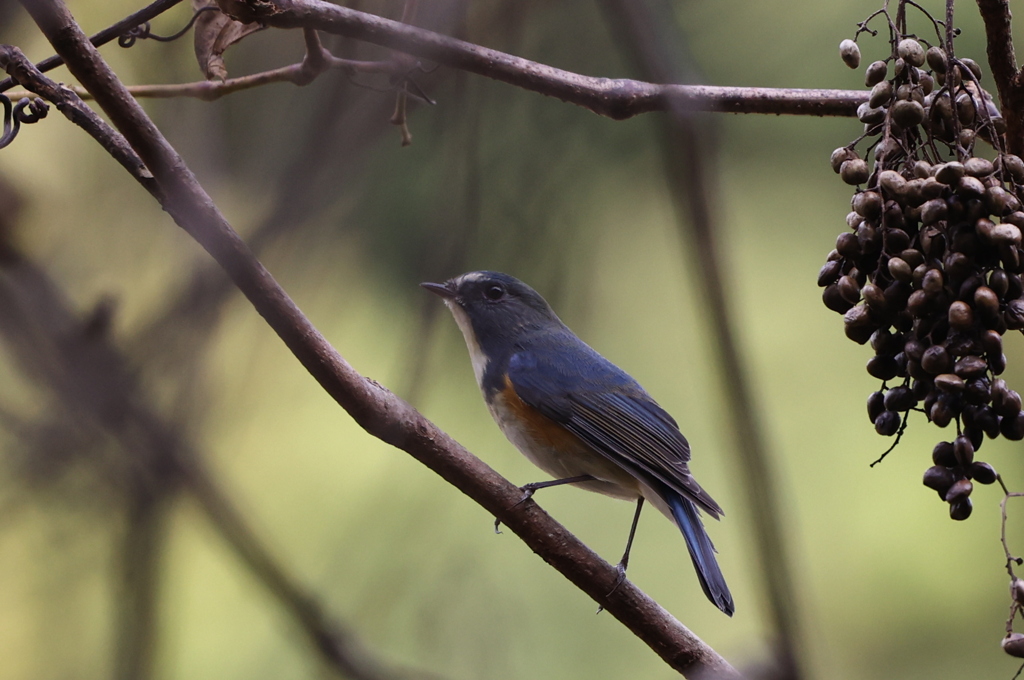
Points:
929	271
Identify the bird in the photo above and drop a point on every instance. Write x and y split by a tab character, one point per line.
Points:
576	415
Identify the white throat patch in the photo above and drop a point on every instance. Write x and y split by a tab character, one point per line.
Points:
476	355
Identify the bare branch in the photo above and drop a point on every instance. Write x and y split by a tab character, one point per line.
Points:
618	98
1001	59
376	409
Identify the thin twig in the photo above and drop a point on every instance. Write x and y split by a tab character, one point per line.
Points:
376	409
106	35
1011	559
208	90
618	99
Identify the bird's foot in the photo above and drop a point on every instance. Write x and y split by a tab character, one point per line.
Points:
619	580
531	488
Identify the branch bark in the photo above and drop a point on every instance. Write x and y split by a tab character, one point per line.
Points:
614	98
377	410
1009	80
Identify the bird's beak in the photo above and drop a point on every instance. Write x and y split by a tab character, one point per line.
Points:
441	289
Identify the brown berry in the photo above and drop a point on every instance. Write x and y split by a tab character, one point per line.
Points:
970	366
1013	644
850	53
978	167
854	171
881	94
960	509
911	52
875	73
950	173
900	399
888	423
983	473
939	478
961	489
963	449
942	455
961	316
936	360
936	57
840	156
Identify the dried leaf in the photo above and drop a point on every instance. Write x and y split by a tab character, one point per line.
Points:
215	32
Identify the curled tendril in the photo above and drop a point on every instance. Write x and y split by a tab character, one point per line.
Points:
142	31
36	110
25	111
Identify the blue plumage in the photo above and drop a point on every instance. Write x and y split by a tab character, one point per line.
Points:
575	414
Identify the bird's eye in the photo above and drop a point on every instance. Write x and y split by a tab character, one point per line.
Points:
494	292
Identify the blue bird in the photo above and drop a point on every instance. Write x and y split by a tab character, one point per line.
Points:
576	415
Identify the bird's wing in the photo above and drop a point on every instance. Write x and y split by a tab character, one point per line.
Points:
603	406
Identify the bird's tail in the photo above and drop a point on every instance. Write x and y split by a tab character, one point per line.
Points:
702	552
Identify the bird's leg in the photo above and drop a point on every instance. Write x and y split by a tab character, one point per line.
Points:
530	489
624	562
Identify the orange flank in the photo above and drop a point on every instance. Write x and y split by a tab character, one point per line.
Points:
539	427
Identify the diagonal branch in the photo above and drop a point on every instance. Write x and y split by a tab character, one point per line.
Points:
618	98
376	409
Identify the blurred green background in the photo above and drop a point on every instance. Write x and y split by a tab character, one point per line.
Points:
349	222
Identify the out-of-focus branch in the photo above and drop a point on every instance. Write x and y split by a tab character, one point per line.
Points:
376	409
106	35
139	572
94	384
1009	80
335	643
689	153
618	99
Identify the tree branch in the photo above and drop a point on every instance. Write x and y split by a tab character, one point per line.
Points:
614	98
376	409
1001	59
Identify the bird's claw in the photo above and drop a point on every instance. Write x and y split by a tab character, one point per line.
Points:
528	491
619	580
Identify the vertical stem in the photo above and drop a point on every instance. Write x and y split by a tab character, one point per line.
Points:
686	155
138	577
